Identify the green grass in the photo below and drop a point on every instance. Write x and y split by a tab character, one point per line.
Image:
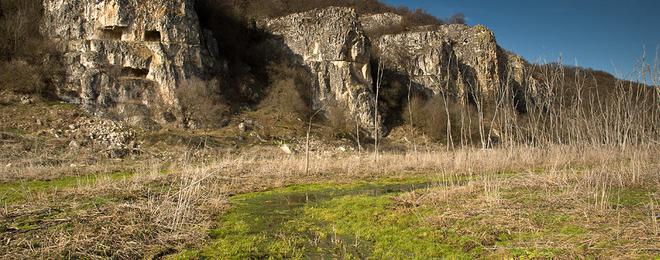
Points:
631	197
362	220
15	192
328	221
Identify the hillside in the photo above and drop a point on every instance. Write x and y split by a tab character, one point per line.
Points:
250	129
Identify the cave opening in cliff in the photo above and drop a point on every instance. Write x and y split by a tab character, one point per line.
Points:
128	72
152	36
111	33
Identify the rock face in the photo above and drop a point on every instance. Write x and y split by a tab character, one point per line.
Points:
423	57
380	22
127	57
460	57
516	74
331	43
463	61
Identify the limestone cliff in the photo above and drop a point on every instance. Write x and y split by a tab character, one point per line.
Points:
127	57
331	43
466	56
381	22
426	58
518	77
462	60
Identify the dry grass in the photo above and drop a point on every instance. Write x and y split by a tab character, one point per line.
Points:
167	207
601	203
176	191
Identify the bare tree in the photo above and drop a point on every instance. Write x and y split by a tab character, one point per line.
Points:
309	131
376	121
450	140
410	115
357	136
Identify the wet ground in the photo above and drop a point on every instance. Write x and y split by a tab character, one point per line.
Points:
325	221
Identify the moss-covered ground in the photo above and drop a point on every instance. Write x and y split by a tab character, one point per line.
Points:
379	220
358	220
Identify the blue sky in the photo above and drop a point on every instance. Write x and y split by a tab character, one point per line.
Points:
600	34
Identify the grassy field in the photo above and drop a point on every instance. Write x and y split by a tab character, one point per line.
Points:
229	194
550	202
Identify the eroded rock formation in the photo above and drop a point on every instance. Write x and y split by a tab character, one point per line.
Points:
381	22
331	43
464	61
426	58
464	56
127	57
518	77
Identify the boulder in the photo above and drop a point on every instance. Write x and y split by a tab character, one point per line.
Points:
73	145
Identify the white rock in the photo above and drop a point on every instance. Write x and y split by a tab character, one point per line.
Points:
335	49
74	145
285	148
128	53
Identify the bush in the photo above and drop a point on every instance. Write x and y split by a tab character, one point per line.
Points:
283	98
19	29
418	17
289	90
21	77
458	18
27	66
201	103
430	116
339	123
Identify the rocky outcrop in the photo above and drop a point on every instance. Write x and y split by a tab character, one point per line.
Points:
459	60
426	58
517	76
381	22
331	43
127	57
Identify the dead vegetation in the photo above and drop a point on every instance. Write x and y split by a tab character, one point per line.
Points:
202	103
607	209
27	64
577	179
165	207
